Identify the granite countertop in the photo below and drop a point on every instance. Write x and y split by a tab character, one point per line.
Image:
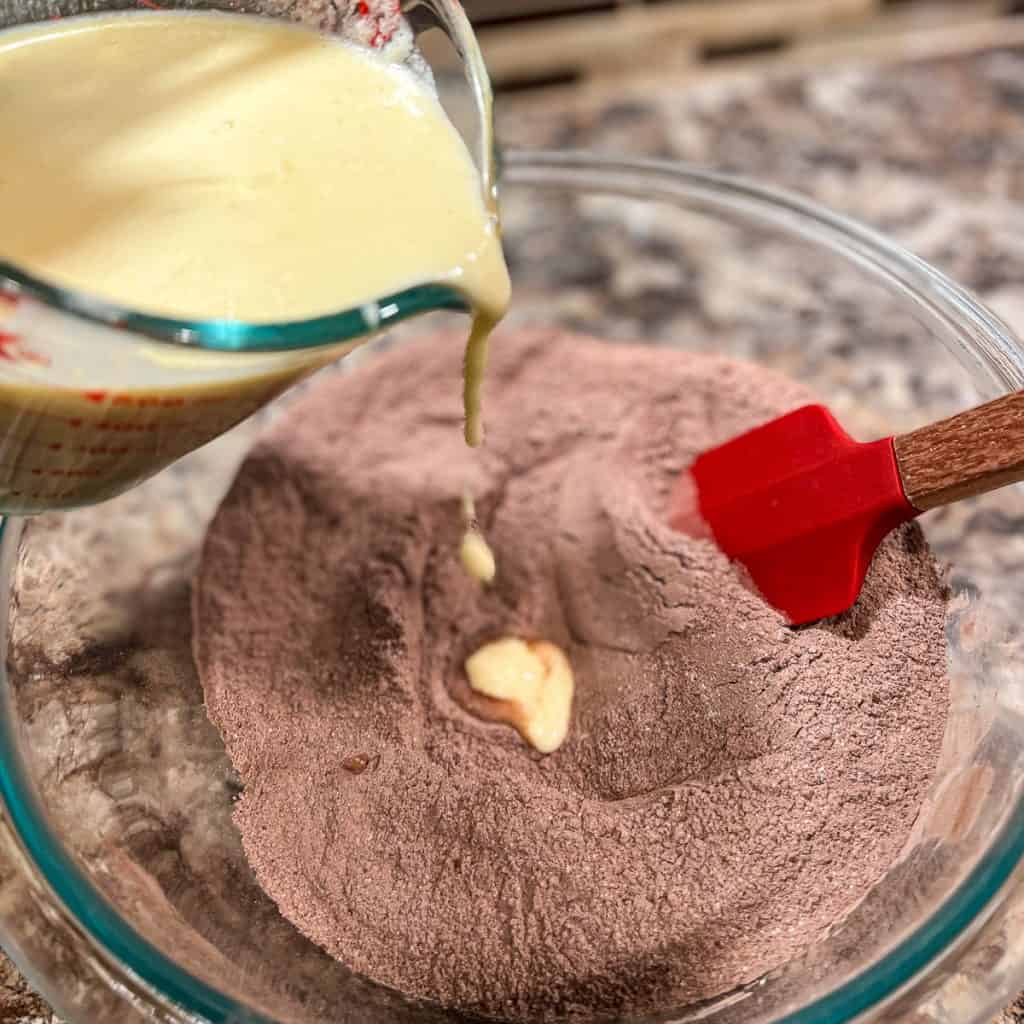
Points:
929	150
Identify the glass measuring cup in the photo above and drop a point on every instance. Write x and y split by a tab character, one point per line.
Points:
94	397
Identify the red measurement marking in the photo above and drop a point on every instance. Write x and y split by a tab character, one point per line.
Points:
123	427
149	3
144	403
103	449
126	427
8	344
95	396
74	423
56	446
383	18
13	351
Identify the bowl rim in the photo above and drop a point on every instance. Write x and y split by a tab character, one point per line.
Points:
976	336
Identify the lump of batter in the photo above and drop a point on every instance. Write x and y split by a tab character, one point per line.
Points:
729	787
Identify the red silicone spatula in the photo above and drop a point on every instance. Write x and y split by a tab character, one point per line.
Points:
803	506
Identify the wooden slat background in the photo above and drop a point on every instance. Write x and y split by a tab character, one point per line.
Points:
533	44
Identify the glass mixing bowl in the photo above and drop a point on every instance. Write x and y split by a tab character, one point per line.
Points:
124	892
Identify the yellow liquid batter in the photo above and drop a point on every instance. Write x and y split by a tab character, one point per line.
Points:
202	165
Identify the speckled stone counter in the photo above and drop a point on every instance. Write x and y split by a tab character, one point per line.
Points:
930	152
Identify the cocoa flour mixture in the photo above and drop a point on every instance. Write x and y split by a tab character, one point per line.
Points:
729	787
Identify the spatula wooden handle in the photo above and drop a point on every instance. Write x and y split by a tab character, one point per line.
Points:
970	453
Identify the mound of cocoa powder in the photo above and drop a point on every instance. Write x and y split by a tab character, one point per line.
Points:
730	786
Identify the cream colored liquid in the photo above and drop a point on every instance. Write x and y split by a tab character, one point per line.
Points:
203	165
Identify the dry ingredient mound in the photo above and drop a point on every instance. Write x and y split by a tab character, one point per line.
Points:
729	787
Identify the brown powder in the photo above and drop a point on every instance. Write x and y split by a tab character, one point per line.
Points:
729	788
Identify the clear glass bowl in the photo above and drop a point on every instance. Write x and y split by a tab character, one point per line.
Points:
124	893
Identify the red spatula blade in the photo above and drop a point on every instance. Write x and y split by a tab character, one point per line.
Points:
801	505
